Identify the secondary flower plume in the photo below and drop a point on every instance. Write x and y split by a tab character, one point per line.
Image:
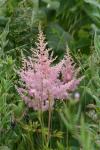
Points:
42	82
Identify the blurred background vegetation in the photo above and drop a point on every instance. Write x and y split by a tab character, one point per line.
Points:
75	23
71	22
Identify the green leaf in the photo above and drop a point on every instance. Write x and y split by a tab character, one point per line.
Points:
57	38
35	4
52	4
94	3
4	148
2	2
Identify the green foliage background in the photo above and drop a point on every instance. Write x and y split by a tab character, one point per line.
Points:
76	23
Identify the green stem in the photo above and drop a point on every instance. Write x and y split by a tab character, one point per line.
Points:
42	127
49	122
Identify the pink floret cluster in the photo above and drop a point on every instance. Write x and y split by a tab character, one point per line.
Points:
43	82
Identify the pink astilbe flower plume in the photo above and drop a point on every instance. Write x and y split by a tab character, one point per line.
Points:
41	83
69	73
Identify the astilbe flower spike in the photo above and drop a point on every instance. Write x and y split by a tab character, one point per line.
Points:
69	72
41	81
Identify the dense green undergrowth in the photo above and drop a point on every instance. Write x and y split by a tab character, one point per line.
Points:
75	125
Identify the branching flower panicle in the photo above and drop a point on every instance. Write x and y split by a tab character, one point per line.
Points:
41	80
